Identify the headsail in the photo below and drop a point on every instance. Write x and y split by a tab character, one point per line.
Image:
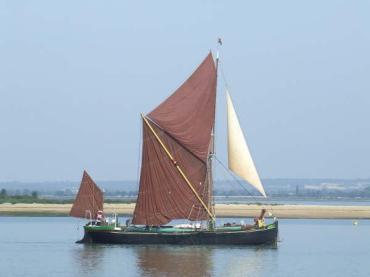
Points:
89	199
240	159
183	122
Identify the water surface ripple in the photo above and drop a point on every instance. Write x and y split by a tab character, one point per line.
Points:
44	246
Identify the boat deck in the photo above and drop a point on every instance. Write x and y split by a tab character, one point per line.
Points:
168	229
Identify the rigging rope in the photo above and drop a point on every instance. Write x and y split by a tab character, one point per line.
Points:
233	176
240	184
139	156
221	68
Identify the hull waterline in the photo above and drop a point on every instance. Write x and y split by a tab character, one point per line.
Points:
267	235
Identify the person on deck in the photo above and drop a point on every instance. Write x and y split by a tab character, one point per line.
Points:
100	219
260	221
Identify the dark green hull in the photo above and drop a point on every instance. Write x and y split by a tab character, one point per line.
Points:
220	236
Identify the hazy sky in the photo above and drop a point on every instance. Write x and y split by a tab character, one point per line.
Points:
75	75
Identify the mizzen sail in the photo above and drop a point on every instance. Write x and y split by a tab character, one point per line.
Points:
89	199
183	125
240	159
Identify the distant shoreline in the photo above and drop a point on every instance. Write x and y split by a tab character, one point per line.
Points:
222	210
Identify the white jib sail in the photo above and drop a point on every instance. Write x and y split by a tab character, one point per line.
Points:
240	159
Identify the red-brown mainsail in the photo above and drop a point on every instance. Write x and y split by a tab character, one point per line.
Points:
89	199
183	123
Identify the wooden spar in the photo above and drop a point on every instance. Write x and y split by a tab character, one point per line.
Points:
177	166
213	150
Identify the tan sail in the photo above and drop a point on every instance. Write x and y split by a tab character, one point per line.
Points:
240	159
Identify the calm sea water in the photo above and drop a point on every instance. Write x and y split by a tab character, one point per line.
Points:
45	247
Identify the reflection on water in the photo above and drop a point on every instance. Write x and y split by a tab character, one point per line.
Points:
201	260
245	261
174	260
90	259
170	260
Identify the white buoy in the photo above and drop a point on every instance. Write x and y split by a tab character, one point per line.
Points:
355	222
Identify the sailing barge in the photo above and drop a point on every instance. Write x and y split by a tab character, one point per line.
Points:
176	174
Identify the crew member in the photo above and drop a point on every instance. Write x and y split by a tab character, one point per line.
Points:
260	221
100	219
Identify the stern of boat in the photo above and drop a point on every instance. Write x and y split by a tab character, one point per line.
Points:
89	229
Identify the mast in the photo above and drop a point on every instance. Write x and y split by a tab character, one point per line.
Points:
213	150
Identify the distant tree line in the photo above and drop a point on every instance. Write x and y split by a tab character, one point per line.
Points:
33	197
116	196
23	198
325	193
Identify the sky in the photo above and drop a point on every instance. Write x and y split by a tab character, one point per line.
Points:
75	76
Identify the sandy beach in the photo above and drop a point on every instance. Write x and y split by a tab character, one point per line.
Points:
222	210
